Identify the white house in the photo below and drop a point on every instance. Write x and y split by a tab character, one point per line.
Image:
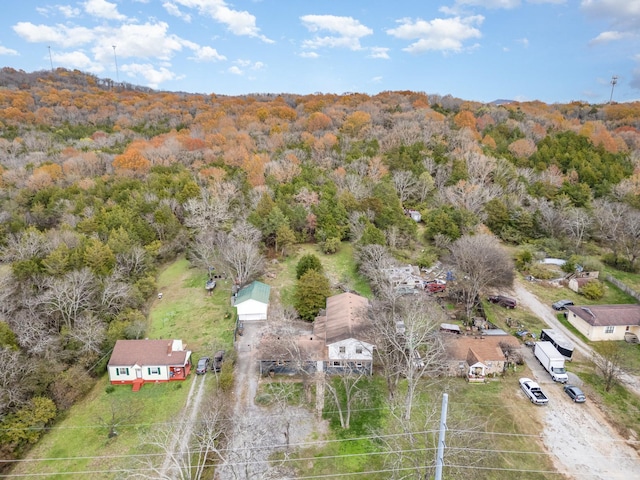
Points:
344	330
605	322
135	362
252	302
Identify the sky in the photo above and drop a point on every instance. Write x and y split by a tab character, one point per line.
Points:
555	51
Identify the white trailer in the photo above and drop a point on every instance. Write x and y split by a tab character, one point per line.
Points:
551	360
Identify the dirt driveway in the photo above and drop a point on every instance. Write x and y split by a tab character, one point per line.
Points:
259	431
577	436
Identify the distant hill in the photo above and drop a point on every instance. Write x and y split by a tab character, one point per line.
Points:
501	101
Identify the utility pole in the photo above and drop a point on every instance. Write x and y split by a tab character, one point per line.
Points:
441	435
50	58
115	59
614	81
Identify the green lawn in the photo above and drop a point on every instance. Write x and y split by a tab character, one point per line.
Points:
79	441
340	268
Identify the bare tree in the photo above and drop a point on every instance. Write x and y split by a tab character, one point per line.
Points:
609	220
346	392
372	261
90	332
577	225
114	295
13	387
132	263
66	298
406	184
412	443
408	345
120	413
208	212
25	245
238	252
190	460
630	238
610	360
480	262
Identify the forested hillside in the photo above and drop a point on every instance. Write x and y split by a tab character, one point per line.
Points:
100	183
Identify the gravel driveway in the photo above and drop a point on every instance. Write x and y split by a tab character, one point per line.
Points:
577	436
259	432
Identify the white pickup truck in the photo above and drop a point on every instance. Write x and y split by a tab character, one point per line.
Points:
533	391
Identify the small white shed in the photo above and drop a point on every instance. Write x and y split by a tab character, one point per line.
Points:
252	302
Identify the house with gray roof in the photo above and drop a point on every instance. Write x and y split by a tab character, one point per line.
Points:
252	302
605	322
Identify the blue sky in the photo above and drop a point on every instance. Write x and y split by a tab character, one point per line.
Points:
483	50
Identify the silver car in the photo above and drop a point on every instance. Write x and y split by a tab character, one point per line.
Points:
575	393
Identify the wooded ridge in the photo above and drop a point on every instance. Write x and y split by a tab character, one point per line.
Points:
102	182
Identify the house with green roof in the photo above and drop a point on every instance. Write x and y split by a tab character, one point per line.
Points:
252	302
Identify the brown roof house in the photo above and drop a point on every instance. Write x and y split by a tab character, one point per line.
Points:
336	343
344	327
605	322
134	362
479	356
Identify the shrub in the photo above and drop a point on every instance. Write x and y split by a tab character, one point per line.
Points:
330	245
523	259
593	289
109	389
542	272
619	263
225	377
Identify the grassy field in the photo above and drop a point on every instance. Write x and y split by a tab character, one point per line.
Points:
79	442
340	268
491	422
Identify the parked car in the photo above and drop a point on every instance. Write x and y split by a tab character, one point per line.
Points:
575	394
218	358
203	365
562	304
240	328
503	301
435	287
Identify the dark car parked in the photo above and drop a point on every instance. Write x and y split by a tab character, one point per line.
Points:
575	393
203	364
506	302
218	358
561	304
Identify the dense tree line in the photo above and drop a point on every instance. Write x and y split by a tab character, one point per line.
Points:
101	183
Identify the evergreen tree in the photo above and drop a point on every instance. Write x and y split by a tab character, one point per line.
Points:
311	294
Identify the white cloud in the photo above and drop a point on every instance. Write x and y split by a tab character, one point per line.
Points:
442	34
103	9
68	11
235	70
347	30
7	51
623	14
58	34
172	9
77	59
147	41
376	80
379	52
309	55
238	22
206	54
507	4
153	76
606	37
